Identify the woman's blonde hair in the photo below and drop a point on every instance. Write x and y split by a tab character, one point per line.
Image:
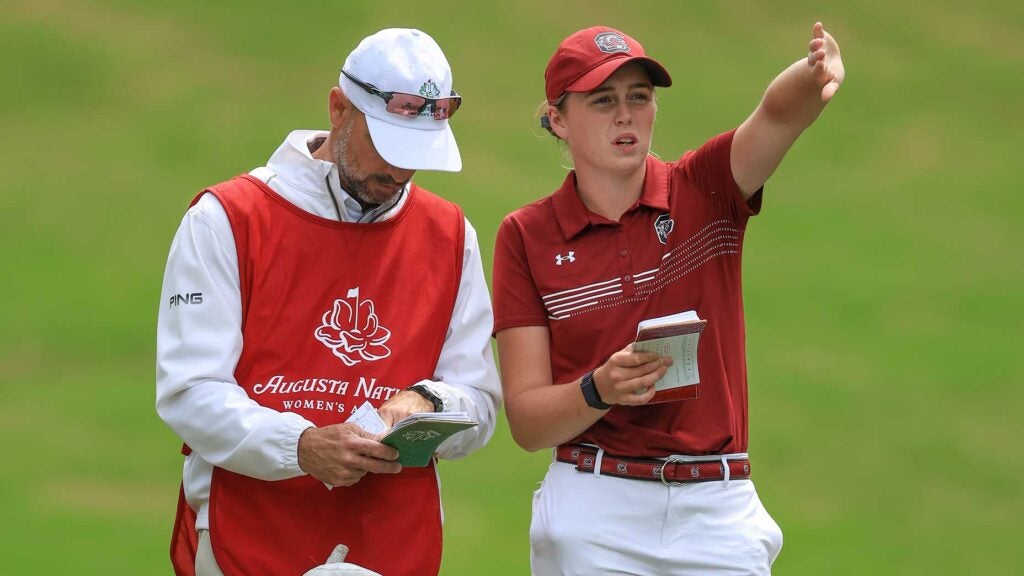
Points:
542	113
545	123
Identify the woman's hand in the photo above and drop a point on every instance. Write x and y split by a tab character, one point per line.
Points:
628	377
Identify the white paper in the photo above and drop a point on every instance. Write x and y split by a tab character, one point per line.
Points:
688	316
683	351
682	348
367	418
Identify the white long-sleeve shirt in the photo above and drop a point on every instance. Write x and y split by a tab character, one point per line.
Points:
198	347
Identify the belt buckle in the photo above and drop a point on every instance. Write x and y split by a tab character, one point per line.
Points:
661	472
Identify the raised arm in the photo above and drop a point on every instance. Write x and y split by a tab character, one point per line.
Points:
790	104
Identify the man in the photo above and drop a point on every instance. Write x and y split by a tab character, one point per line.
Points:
297	292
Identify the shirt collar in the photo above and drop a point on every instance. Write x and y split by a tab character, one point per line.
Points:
293	163
573	216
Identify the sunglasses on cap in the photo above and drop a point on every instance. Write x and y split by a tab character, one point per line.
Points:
411	105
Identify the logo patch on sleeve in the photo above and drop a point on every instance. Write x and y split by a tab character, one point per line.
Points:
192	298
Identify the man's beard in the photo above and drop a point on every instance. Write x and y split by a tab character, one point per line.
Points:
360	186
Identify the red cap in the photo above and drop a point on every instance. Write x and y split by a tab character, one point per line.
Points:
586	59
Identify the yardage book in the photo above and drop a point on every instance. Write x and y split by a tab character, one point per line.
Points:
417	436
676	336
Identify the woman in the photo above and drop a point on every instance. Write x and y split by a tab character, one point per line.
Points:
640	487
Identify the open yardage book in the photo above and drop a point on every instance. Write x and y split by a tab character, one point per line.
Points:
417	436
676	336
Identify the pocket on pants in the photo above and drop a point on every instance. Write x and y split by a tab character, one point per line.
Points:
771	533
538	518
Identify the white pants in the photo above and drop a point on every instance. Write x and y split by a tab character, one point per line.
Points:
585	524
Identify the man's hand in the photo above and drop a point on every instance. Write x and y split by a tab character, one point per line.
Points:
401	405
826	62
341	454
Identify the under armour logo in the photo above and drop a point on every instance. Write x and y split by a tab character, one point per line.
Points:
570	258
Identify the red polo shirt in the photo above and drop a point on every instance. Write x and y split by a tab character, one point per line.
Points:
590	280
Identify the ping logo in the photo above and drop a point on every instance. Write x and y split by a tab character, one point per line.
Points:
663	227
193	298
570	258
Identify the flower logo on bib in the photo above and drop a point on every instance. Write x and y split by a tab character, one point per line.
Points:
352	332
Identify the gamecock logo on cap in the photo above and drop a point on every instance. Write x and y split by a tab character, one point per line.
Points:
610	43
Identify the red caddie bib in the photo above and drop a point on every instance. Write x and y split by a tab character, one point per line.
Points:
334	314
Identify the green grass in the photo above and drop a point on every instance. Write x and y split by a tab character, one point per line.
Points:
882	281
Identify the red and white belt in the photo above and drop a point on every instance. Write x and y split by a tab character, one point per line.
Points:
673	470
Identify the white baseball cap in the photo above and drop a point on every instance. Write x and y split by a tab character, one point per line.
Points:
408	61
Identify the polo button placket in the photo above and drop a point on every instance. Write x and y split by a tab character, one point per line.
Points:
625	263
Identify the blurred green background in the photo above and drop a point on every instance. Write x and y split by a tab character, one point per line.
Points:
883	281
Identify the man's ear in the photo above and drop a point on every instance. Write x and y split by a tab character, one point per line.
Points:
339	106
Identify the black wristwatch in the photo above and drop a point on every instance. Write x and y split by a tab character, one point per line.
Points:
590	393
422	390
